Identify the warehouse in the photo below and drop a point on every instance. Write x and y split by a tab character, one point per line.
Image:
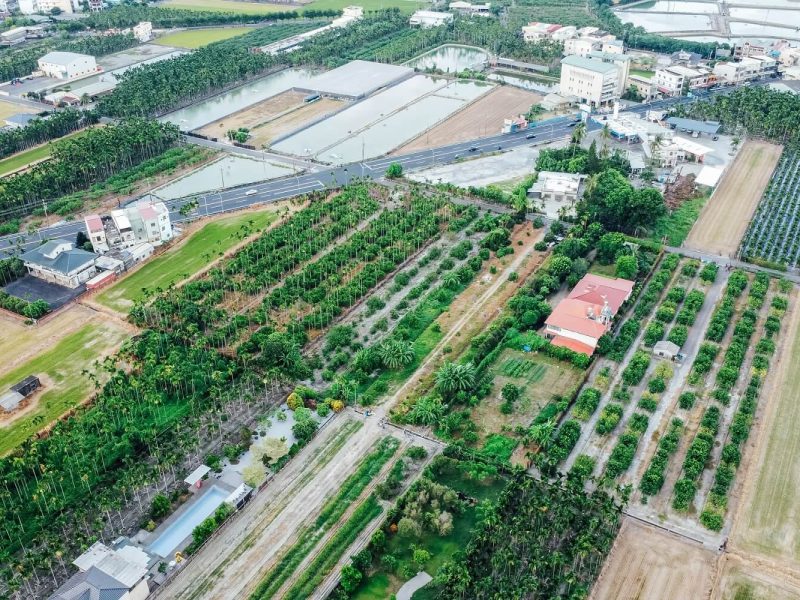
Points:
355	80
67	65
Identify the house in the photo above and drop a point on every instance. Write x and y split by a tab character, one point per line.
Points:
535	31
108	573
581	46
644	86
143	31
14	36
580	320
594	82
747	69
13	399
145	222
467	8
58	262
29	7
672	80
666	349
686	58
621	61
430	18
558	192
67	65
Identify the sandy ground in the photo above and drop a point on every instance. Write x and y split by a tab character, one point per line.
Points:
766	519
650	564
482	117
725	217
739	580
273	117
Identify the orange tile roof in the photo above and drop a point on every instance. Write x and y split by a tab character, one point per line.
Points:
572	315
573	345
596	289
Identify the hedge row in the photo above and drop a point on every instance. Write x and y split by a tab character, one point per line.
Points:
653	478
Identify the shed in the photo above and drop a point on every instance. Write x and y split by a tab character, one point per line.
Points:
27	386
195	478
10	401
709	127
666	349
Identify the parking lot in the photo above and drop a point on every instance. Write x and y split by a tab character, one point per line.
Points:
30	288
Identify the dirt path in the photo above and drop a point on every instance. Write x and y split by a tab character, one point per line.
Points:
726	215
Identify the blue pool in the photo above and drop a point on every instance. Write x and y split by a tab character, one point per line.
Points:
183	526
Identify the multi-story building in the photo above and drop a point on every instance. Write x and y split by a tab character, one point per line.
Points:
747	69
594	82
558	192
146	222
430	18
30	7
621	61
644	86
581	46
467	8
143	31
67	65
58	262
672	81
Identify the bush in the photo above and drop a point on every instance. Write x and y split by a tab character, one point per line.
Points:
709	272
586	404
636	368
711	520
656	385
609	418
684	494
654	333
678	335
686	400
648	404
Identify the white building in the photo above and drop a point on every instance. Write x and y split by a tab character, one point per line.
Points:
613	47
672	80
593	82
146	222
143	31
14	36
430	18
30	7
467	8
67	65
564	33
621	61
581	46
58	262
747	69
108	573
558	192
535	31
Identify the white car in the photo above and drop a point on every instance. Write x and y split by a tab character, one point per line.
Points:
251	192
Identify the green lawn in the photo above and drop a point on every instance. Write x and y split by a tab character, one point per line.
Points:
182	262
259	8
676	226
21	159
62	364
194	38
604	270
640	73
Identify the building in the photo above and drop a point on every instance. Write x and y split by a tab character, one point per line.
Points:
30	7
644	86
580	320
613	47
666	349
594	82
467	8
430	18
581	46
14	36
67	65
564	33
621	61
58	262
558	192
146	222
19	120
535	31
143	31
747	69
686	58
672	81
108	573
15	397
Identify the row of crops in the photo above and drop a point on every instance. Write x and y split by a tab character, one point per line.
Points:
773	237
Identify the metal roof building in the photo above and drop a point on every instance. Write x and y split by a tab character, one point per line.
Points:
356	79
710	127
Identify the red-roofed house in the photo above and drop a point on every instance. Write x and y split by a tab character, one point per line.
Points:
586	314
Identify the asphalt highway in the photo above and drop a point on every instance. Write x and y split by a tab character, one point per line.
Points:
266	192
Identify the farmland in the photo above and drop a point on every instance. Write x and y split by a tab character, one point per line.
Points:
723	220
772	237
263	8
213	240
61	370
194	38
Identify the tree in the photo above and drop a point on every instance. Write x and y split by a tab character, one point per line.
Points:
350	578
633	94
396	353
609	247
160	506
427	410
510	392
627	267
618	206
271	449
394	171
454	377
592	159
420	556
560	267
578	133
294	401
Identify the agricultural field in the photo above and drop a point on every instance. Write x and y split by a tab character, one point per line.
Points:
23	159
262	8
740	579
646	562
186	258
195	38
60	369
482	117
273	117
723	221
772	238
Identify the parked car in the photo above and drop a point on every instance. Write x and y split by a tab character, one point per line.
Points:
251	192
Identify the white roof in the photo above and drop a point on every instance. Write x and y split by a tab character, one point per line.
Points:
197	474
691	147
432	14
120	219
127	565
685	71
553	181
708	176
63	58
667	346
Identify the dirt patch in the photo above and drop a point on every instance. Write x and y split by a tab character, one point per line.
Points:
272	117
739	580
646	562
725	217
482	117
28	404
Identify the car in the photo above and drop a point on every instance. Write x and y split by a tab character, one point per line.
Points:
530	136
572	124
251	192
499	147
456	157
473	148
715	138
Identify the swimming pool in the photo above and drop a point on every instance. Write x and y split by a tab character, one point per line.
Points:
183	526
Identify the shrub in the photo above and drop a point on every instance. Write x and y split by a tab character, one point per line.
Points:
586	404
582	468
656	385
686	400
678	335
684	494
622	455
609	418
636	368
648	404
654	333
709	272
711	520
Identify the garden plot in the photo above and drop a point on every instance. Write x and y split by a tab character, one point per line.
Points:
384	121
774	234
725	216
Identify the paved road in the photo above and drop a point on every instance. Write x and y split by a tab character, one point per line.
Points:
267	192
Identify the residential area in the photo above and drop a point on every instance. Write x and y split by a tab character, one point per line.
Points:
399	300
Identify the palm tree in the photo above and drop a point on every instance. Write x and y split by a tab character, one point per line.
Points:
452	377
395	354
579	133
605	135
427	411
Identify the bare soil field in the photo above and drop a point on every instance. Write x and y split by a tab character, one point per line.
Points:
725	217
483	117
738	580
767	516
273	117
647	563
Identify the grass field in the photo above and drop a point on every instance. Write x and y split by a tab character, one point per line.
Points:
675	227
183	261
767	520
194	38
641	73
259	8
9	108
21	159
64	385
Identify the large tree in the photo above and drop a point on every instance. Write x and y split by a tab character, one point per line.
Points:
618	206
